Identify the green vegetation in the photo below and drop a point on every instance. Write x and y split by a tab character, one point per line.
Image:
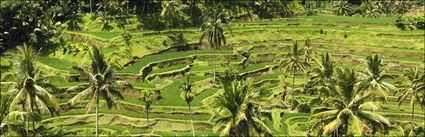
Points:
210	68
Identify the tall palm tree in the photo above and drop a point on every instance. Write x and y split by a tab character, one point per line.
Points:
372	78
309	55
295	62
347	112
414	75
149	97
29	85
213	31
187	94
237	110
100	84
322	77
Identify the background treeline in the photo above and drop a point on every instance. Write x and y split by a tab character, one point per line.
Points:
40	22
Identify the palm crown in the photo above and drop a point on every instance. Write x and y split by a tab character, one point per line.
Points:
100	82
213	31
30	88
349	112
372	78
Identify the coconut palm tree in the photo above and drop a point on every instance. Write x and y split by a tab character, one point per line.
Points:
100	84
149	97
187	94
237	110
342	8
170	12
372	78
322	78
309	55
347	112
414	76
213	31
295	62
28	85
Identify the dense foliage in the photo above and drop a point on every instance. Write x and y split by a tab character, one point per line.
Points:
194	75
40	22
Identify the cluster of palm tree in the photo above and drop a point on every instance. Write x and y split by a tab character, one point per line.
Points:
238	109
29	91
29	94
346	102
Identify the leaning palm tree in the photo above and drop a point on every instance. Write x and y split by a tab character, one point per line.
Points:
414	76
149	97
373	78
237	111
213	31
100	84
295	62
347	113
28	86
187	94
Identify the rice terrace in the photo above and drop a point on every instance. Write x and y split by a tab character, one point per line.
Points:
212	68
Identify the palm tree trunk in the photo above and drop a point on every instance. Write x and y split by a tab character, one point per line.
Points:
191	121
147	118
27	125
215	69
293	78
127	6
305	82
91	10
97	115
413	116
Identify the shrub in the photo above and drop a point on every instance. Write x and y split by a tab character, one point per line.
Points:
411	23
303	107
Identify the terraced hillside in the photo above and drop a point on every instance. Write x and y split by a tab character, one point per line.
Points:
151	65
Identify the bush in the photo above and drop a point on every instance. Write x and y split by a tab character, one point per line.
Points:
411	23
303	107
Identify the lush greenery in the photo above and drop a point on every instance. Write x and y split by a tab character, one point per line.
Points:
210	68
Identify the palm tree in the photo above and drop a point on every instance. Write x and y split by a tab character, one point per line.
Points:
149	97
295	62
29	87
187	94
309	55
348	112
342	8
372	78
170	11
100	84
322	77
213	31
414	75
237	110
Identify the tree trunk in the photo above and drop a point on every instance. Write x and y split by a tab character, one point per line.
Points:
293	79
191	121
413	115
97	115
127	6
147	119
305	82
215	69
91	8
